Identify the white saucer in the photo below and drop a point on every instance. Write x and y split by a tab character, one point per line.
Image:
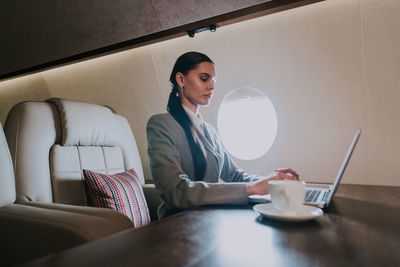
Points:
255	199
306	213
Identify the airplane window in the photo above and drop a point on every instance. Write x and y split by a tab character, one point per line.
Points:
247	123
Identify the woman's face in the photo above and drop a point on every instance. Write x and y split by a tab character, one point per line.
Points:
197	86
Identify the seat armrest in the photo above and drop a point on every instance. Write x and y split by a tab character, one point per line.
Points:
119	221
153	200
29	232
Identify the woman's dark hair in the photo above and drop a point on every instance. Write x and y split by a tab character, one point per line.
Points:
184	64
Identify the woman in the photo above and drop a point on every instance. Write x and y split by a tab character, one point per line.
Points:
187	158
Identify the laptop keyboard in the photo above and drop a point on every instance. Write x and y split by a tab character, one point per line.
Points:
312	195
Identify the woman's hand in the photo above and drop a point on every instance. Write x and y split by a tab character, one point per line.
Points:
288	171
260	187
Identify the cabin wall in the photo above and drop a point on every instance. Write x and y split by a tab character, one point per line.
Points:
329	68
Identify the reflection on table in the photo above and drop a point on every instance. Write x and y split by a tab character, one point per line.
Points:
360	228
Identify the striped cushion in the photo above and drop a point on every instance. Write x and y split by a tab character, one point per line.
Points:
121	192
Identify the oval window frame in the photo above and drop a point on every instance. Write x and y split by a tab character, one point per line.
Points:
253	145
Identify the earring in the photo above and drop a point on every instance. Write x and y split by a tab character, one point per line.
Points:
177	94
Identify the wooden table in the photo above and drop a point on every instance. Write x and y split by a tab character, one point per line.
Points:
361	228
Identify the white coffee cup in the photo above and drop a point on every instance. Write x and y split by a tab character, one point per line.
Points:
287	196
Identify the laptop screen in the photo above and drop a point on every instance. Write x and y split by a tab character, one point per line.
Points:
344	165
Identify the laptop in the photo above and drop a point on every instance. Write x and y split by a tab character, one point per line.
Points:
319	195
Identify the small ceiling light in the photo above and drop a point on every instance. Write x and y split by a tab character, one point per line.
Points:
212	28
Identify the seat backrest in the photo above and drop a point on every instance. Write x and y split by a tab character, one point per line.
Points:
7	183
51	142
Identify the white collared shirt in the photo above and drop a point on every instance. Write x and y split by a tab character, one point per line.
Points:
198	122
197	119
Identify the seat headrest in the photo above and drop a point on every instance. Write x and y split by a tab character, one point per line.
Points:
85	124
7	181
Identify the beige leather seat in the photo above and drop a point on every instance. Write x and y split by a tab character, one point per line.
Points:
27	232
52	141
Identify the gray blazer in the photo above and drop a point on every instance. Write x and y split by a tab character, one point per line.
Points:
172	168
